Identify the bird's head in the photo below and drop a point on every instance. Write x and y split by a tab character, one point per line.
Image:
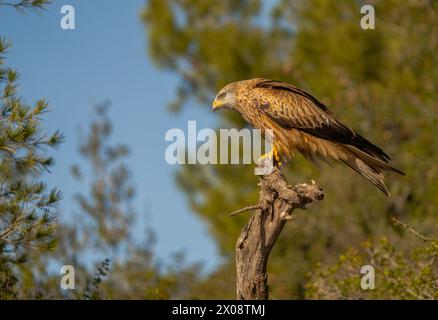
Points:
226	98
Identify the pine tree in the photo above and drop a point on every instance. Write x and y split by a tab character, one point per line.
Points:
27	208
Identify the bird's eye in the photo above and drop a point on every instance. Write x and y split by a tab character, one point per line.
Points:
221	95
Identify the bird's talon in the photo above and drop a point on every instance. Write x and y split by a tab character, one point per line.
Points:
266	155
274	155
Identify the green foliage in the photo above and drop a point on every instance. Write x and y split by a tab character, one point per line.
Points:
382	82
27	208
397	275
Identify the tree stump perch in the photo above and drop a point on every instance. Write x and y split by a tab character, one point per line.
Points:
277	202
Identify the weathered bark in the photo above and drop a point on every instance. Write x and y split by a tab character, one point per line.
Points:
276	203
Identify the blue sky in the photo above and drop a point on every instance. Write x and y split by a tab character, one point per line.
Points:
105	58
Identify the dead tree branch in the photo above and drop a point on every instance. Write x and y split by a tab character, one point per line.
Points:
415	232
277	201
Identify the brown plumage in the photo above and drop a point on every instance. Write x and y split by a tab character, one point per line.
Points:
302	123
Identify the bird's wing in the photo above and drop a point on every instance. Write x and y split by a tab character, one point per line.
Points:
292	107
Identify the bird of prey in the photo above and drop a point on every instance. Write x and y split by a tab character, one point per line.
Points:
300	122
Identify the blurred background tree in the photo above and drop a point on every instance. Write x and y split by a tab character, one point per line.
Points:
382	82
126	268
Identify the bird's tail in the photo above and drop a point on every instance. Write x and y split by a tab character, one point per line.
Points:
369	167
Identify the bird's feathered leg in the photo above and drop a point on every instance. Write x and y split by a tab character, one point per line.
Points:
277	157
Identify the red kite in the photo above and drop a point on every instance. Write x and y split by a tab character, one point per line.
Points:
300	122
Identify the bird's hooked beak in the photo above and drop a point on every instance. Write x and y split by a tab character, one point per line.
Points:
216	105
225	99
